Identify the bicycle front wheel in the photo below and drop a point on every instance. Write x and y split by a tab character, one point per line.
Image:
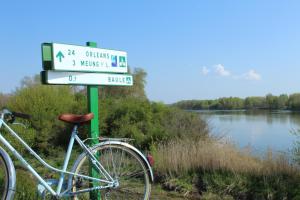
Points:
123	165
4	179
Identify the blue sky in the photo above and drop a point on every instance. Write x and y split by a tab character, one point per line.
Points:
190	49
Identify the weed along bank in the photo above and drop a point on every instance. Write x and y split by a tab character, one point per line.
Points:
106	167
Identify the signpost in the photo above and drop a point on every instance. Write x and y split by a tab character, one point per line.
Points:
92	92
66	64
66	57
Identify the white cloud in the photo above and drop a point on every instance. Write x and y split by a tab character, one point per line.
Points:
221	71
252	75
205	70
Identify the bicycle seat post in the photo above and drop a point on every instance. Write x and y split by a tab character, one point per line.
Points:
67	157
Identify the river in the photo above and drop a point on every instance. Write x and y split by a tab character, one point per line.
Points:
261	130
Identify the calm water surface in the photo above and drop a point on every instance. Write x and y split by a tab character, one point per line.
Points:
259	129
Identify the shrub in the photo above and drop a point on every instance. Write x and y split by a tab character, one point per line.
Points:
44	104
148	123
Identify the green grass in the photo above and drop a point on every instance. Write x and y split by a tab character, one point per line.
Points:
26	186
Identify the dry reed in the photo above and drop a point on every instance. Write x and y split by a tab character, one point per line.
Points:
182	156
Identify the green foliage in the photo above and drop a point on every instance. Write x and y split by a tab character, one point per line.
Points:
27	134
26	186
283	101
294	101
231	103
272	101
249	186
255	103
276	102
147	122
44	104
225	183
273	187
183	124
131	119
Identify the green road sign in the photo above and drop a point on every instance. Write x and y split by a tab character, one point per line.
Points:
64	57
84	78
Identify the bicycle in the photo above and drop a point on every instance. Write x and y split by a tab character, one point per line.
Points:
120	171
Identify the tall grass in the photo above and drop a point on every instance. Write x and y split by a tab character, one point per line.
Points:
185	155
210	169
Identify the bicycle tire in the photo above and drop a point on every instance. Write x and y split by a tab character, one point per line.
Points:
8	176
130	170
4	178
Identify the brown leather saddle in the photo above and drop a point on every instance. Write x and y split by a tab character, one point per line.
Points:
76	119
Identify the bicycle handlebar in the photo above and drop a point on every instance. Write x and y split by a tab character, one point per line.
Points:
21	115
11	116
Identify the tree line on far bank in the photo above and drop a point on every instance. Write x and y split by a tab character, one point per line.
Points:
268	102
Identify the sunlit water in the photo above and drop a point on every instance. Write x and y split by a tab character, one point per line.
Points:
261	130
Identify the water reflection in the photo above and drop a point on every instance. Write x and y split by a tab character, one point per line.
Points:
260	129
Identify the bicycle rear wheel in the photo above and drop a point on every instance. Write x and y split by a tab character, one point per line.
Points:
4	179
124	165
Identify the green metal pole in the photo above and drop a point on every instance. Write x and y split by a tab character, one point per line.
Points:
92	92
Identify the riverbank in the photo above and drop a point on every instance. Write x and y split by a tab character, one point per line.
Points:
209	170
215	170
202	168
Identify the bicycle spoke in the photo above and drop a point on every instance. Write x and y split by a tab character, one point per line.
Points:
125	167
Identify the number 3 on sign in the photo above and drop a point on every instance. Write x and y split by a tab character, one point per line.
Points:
72	78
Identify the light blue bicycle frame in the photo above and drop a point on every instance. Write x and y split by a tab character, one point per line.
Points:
109	181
